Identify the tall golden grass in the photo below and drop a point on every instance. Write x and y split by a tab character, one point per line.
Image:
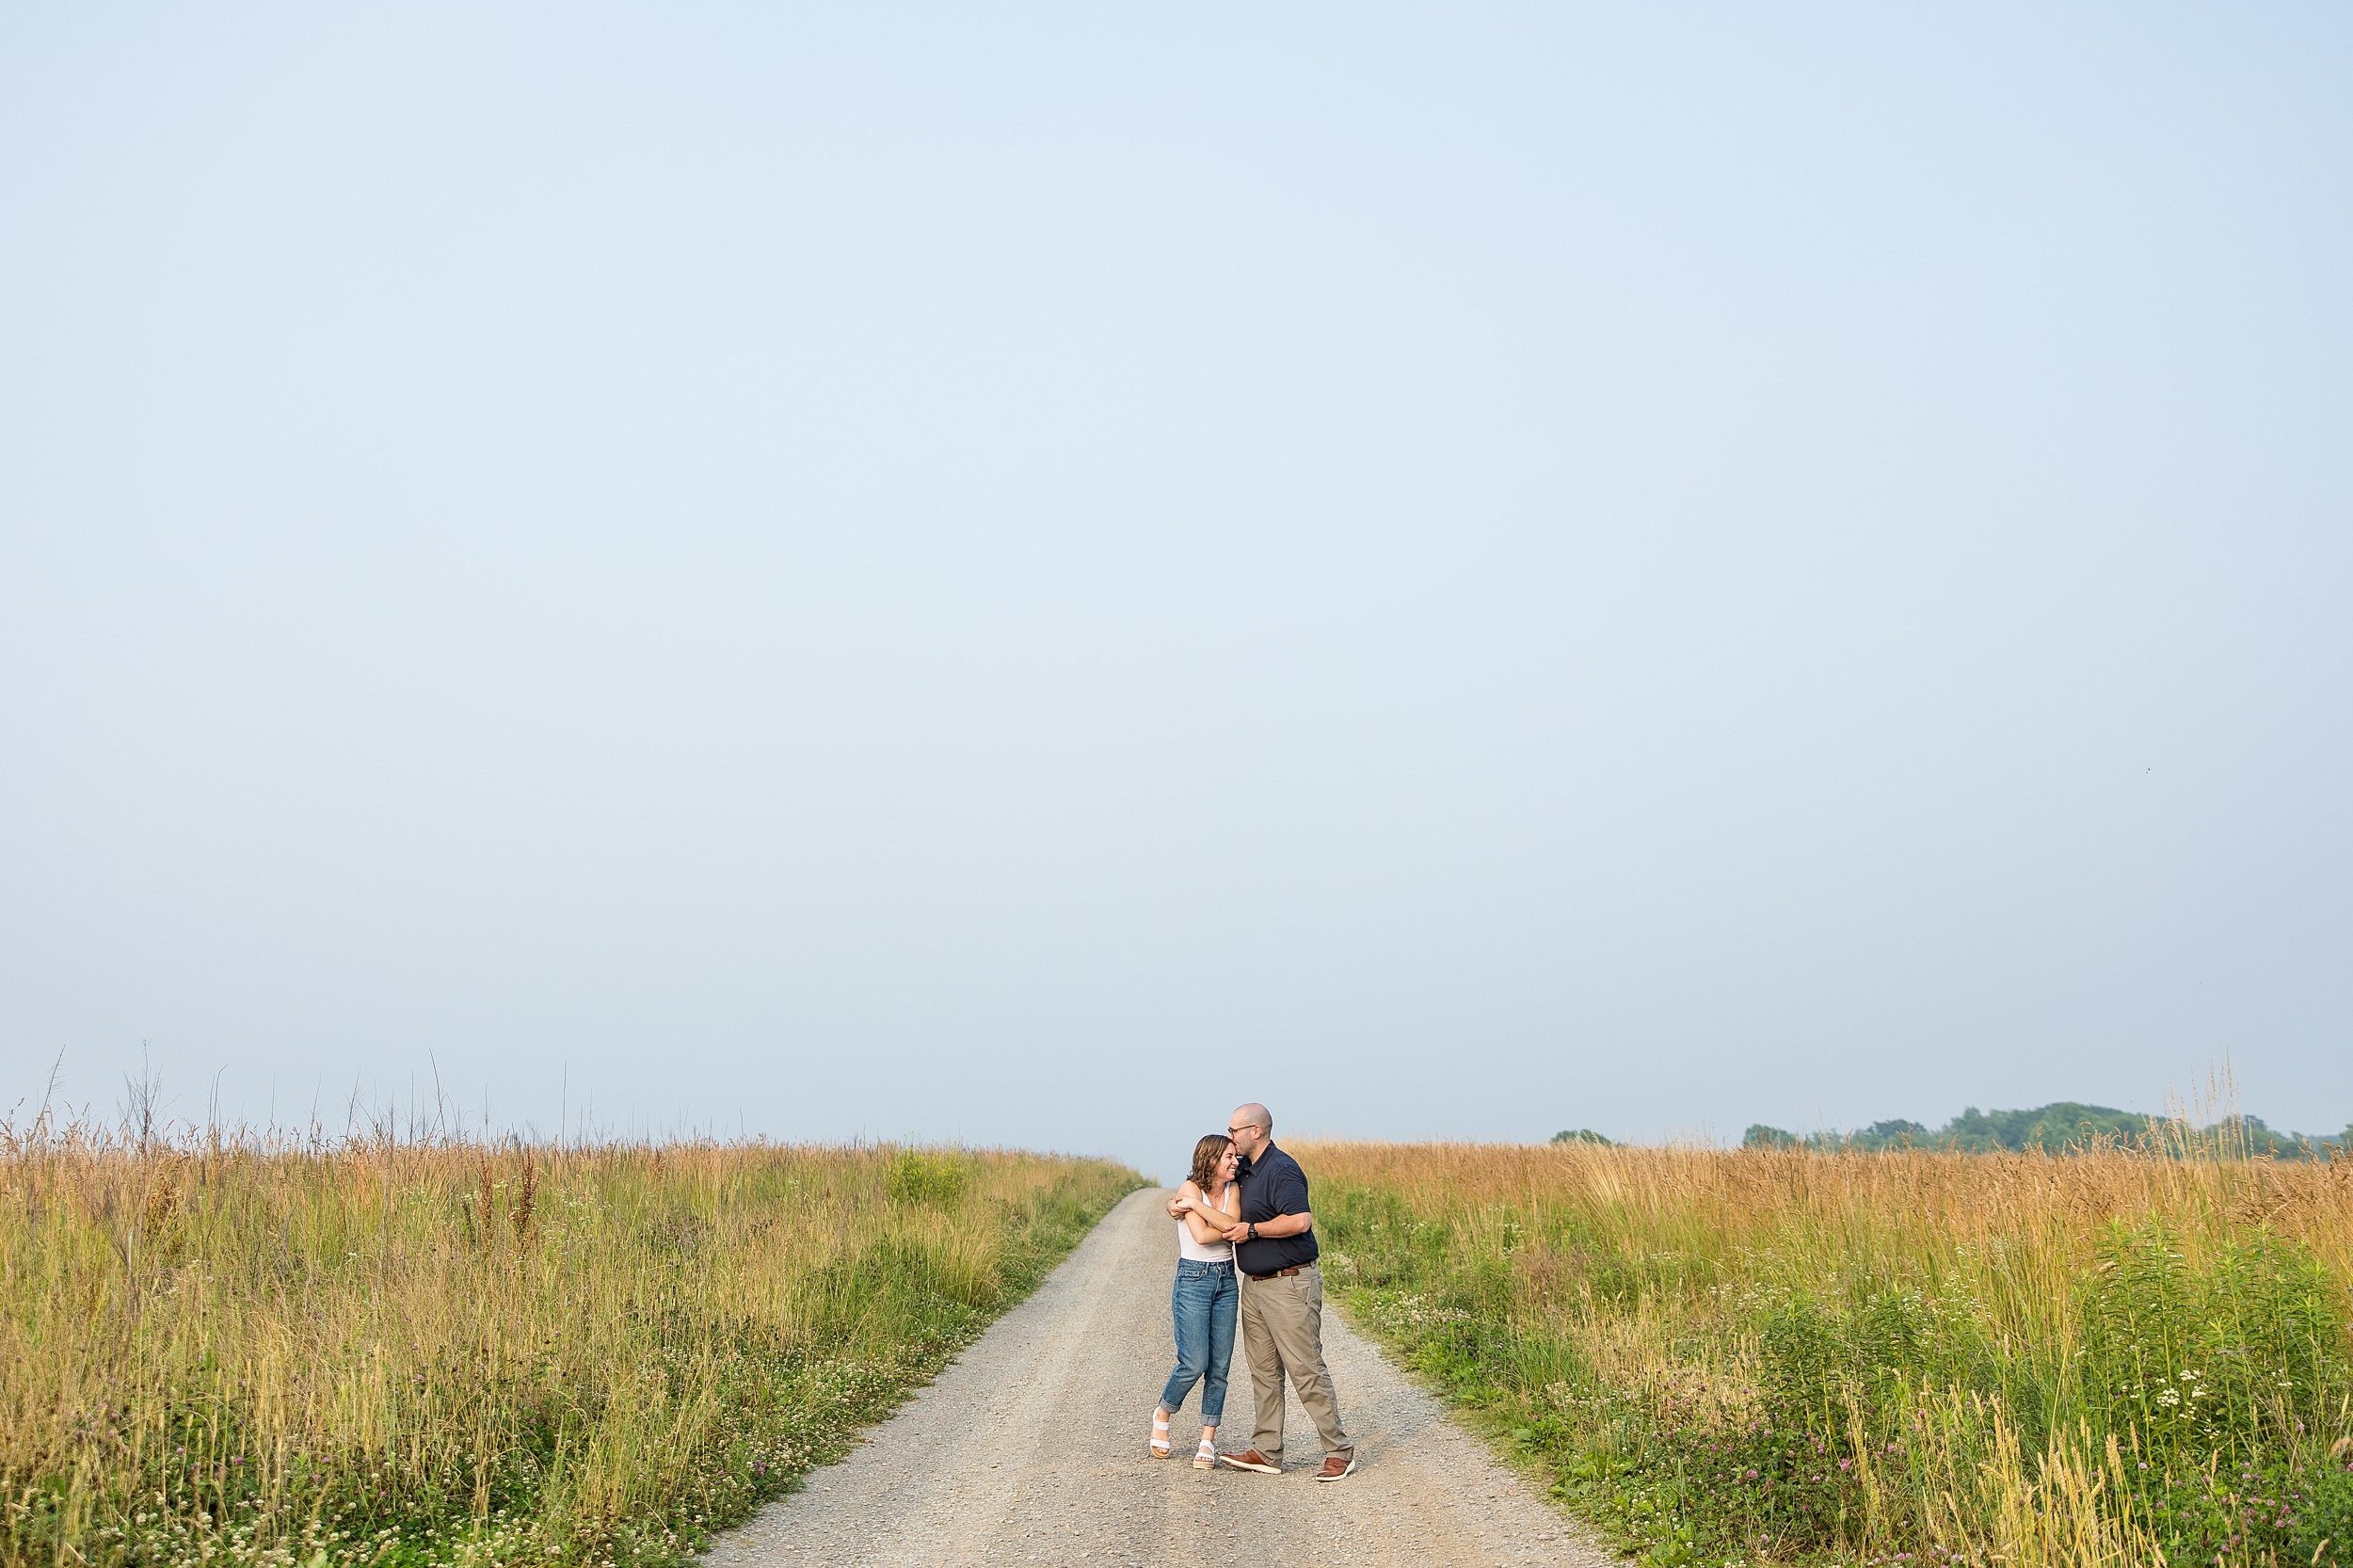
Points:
2113	1357
436	1351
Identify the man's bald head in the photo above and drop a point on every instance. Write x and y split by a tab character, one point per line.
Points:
1251	1127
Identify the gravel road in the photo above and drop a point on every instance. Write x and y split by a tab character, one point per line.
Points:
1030	1450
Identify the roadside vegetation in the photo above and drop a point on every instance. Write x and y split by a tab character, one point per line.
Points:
2128	1354
417	1352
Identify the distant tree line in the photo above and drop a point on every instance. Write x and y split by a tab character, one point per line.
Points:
2053	1128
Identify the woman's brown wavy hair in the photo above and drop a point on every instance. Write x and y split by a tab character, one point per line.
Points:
1206	1154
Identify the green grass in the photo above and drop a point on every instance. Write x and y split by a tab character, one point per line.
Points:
1792	1356
442	1354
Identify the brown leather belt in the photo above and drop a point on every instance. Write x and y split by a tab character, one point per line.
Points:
1279	1273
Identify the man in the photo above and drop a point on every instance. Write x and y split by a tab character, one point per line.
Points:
1282	1300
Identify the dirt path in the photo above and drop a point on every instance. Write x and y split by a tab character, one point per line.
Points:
1030	1450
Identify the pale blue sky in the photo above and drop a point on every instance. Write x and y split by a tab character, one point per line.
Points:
1024	574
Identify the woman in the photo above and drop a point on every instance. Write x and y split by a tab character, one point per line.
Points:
1204	1301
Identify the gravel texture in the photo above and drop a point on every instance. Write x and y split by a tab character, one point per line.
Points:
1030	1450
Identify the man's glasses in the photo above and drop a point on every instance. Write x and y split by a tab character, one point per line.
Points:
1238	1131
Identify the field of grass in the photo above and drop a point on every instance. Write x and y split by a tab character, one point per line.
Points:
437	1352
2120	1356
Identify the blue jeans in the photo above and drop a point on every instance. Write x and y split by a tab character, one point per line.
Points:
1203	1305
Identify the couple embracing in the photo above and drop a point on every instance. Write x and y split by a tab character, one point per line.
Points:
1246	1248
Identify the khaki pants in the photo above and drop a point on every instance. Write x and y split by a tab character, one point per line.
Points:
1281	1332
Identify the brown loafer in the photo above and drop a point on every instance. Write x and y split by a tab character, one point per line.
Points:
1251	1459
1334	1467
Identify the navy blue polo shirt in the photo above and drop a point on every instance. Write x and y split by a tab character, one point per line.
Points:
1273	1184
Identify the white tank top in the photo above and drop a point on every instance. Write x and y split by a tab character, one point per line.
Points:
1207	1251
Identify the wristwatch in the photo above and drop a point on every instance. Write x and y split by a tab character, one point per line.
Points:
1254	1230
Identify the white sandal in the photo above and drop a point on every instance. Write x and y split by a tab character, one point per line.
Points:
1204	1456
1159	1435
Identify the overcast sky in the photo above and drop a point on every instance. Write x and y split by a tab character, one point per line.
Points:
1021	575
